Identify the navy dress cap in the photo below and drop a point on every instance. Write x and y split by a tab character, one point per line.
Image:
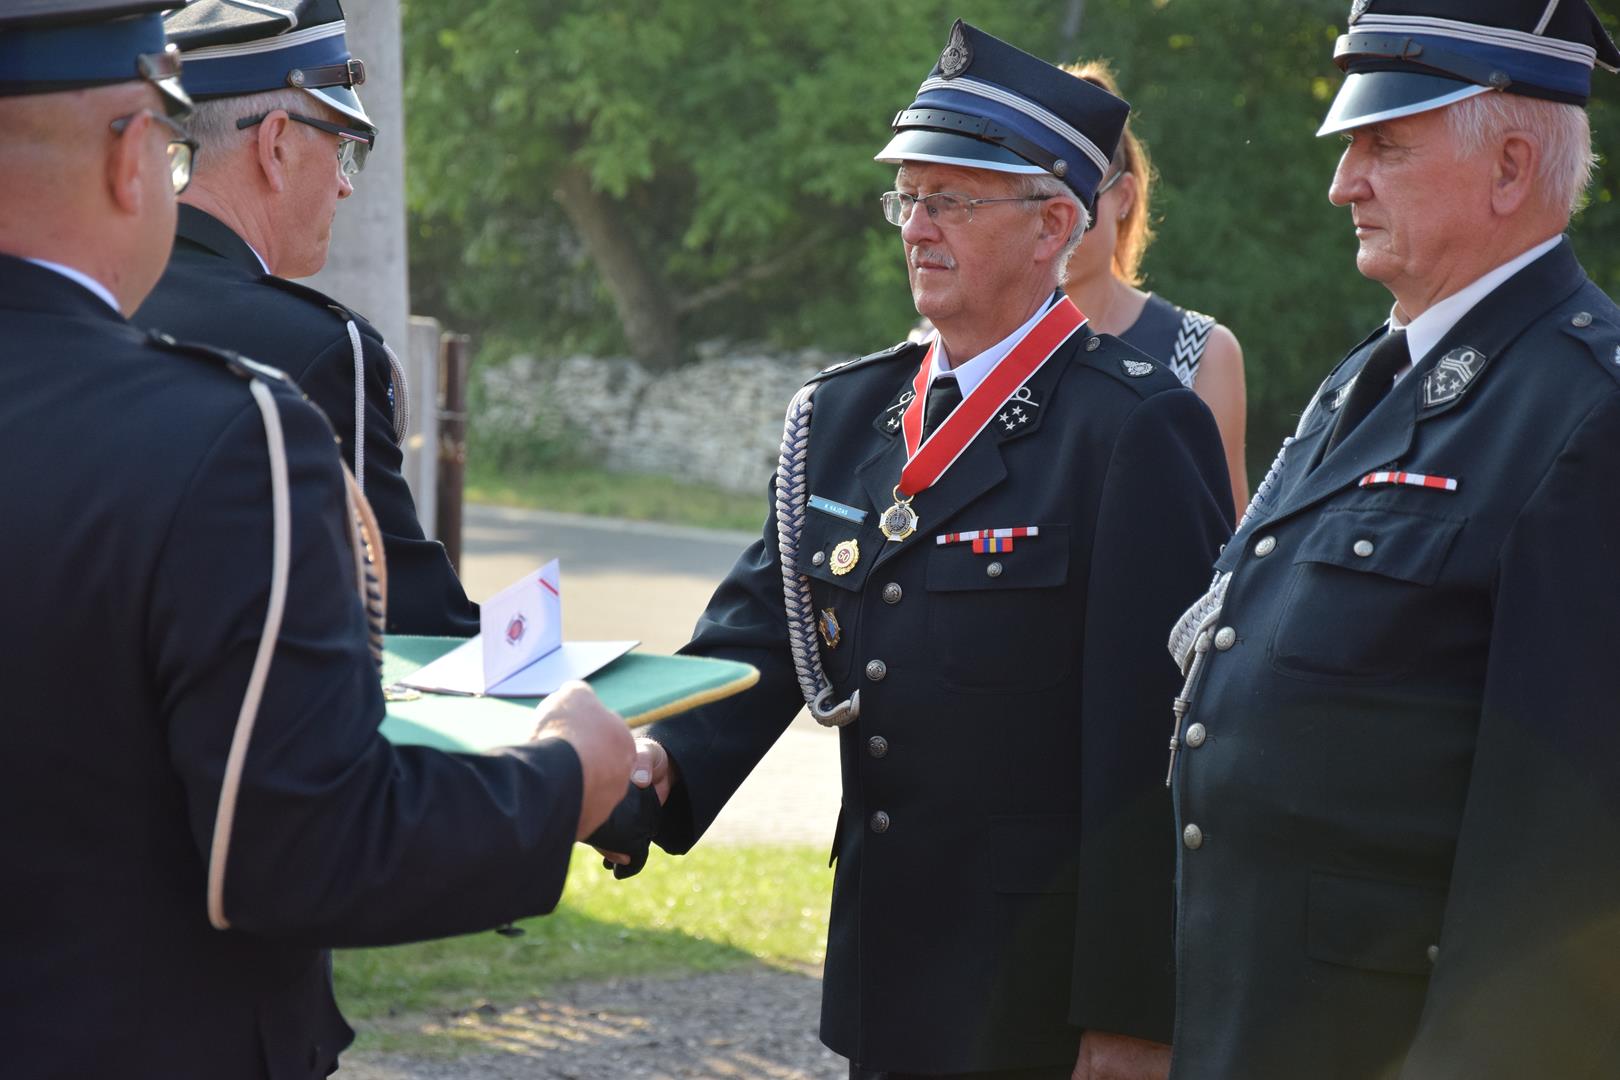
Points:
48	46
988	105
1402	57
236	47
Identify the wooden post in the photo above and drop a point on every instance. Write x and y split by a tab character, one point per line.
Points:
452	442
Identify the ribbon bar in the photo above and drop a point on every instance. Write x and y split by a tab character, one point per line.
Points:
988	534
1411	479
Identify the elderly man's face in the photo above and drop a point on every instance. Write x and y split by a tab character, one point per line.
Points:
1417	206
317	184
966	271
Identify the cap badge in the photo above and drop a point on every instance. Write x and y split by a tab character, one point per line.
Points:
1138	369
1358	9
1451	376
958	53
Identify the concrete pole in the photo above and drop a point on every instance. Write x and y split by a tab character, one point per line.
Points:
366	269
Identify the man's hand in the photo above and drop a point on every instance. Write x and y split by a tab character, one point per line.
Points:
652	768
1104	1056
604	744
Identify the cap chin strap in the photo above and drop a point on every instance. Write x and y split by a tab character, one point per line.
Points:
1364	44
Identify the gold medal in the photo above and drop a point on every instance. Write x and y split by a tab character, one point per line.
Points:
900	520
844	557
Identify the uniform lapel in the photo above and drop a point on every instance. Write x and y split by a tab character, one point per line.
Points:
1385	436
981	466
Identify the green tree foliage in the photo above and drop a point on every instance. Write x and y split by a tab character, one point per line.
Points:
733	143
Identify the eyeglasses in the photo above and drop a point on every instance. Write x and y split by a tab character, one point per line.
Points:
353	144
1106	184
944	207
182	147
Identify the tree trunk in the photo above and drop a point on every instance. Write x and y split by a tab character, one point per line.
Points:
646	310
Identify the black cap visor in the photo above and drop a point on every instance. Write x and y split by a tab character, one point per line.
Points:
1371	97
946	148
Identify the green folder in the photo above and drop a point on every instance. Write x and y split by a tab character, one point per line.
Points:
641	687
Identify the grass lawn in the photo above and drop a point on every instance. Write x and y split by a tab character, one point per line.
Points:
581	490
716	909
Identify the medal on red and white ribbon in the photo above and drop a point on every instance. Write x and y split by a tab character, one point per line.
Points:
927	461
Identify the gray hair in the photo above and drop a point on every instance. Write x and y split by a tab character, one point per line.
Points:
213	122
1565	133
1045	185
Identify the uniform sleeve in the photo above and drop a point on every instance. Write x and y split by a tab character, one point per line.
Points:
424	594
1164	512
1527	979
716	747
340	838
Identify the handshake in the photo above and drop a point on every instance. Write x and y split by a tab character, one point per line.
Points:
625	779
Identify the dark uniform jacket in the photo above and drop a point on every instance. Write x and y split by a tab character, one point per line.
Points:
1406	784
216	291
1004	849
135	526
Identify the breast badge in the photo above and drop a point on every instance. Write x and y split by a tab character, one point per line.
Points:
844	557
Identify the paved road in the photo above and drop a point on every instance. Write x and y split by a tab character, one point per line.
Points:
624	579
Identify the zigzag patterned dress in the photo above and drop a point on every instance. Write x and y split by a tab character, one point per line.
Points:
1172	335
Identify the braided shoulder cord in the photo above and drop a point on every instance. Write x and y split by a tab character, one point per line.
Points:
399	394
792	497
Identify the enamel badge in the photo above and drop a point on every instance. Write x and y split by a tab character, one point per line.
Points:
831	632
1137	369
844	557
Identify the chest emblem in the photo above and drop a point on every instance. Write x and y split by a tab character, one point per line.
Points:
1451	376
1137	369
844	557
831	632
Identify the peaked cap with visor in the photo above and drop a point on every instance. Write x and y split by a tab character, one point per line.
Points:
237	47
988	105
48	46
1402	57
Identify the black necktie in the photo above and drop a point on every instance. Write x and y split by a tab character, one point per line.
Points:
1376	377
944	395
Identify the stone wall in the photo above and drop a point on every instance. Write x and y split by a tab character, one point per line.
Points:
717	421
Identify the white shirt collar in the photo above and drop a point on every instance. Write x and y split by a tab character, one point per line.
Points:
256	255
1426	331
79	277
970	373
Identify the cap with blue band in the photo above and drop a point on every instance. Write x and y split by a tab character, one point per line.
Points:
236	48
49	46
989	105
1402	58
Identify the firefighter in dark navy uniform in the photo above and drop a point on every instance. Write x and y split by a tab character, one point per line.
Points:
195	794
284	135
1398	774
976	544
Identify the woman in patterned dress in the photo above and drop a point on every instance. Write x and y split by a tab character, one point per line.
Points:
1103	278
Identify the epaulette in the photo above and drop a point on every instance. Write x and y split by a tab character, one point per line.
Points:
232	361
315	296
1601	337
892	352
1128	364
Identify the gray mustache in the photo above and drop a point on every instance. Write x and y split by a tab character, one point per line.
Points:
933	255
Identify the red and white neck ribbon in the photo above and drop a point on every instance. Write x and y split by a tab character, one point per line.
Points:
1412	479
927	461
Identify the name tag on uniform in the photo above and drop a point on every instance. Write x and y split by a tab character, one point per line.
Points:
838	510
